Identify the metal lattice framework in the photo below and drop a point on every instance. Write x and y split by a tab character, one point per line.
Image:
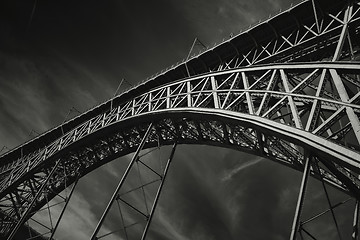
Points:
286	89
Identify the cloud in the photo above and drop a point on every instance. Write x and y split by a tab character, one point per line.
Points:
37	95
229	174
74	56
163	227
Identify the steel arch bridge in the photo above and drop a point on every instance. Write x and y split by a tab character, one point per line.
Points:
286	89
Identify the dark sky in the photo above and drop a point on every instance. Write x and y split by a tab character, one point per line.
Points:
59	55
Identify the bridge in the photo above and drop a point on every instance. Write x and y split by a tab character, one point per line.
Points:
287	89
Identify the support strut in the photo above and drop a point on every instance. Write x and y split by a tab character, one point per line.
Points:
64	208
159	191
26	213
135	156
355	234
299	205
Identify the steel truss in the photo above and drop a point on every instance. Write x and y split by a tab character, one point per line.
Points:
120	198
297	111
307	32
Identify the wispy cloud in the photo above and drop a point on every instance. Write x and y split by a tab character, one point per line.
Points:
165	226
229	174
79	60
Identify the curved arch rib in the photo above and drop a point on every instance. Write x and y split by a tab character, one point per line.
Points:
253	102
240	131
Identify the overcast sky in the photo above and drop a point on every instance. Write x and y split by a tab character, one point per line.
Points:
59	55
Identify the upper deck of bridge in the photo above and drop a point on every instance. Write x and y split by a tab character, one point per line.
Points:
281	24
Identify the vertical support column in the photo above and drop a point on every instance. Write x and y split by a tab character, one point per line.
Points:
133	107
168	103
300	202
188	93
135	156
214	91
355	234
159	191
150	99
63	210
117	113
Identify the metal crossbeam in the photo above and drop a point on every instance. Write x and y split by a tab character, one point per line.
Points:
119	198
300	202
295	90
135	156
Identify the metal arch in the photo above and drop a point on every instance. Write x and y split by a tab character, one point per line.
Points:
175	94
306	36
246	141
272	103
231	92
244	131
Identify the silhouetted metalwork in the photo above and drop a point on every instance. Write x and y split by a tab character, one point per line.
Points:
287	89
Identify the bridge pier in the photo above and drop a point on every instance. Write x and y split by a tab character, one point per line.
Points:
300	201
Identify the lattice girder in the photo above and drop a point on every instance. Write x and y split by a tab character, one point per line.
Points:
189	126
267	92
308	31
282	111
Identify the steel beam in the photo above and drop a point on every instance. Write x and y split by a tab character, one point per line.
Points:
67	200
29	208
158	192
354	120
315	108
248	96
135	156
328	200
294	111
355	233
214	93
343	33
301	197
